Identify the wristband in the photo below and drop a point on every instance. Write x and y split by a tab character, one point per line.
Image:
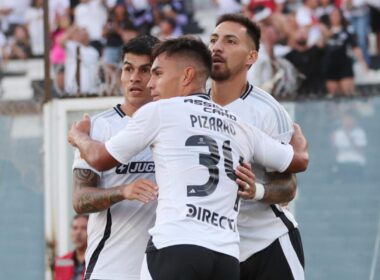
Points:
260	191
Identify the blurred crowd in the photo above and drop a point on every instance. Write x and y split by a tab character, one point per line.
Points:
308	46
311	46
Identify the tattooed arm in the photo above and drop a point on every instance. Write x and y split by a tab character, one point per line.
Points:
281	189
88	198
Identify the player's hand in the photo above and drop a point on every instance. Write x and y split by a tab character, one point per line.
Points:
142	190
78	129
246	181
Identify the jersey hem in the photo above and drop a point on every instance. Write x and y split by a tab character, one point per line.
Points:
207	246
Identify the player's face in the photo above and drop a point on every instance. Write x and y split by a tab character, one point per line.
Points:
79	232
134	79
166	76
232	51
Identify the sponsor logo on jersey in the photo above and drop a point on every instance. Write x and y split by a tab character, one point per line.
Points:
213	218
136	167
212	108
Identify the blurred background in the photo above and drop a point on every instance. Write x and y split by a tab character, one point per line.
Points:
305	45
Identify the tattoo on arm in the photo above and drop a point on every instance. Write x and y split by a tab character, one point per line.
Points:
87	197
281	188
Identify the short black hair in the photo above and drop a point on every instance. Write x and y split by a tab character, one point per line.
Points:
141	45
187	46
253	30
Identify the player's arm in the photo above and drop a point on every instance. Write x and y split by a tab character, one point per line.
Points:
300	159
92	151
280	157
139	134
281	188
88	198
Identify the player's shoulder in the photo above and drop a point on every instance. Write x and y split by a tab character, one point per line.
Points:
260	99
269	108
107	116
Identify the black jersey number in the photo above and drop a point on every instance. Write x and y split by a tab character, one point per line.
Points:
211	161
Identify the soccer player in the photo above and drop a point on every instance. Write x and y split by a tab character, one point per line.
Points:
270	243
121	215
196	146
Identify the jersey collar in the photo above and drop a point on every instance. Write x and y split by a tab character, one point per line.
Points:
247	91
119	111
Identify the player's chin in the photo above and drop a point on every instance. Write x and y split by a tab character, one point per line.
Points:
156	97
136	93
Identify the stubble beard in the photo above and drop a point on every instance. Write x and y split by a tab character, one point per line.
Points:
220	75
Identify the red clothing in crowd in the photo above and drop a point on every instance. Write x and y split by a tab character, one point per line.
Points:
65	267
271	4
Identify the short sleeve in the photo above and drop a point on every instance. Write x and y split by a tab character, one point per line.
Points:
139	133
270	153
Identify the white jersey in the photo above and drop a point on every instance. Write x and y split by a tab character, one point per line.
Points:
196	146
117	237
259	223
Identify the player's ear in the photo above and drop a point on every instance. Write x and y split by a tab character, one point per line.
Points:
252	57
188	76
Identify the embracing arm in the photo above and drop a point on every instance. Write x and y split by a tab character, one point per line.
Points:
88	198
92	151
282	188
301	155
95	153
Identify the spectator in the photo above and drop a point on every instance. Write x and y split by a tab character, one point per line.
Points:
358	14
249	6
173	9
167	29
117	31
306	17
338	65
81	64
35	24
324	10
71	266
91	15
16	16
140	14
227	6
58	8
374	6
6	8
308	60
57	52
349	142
19	45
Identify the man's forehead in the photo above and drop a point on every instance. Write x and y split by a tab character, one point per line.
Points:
230	28
163	59
136	59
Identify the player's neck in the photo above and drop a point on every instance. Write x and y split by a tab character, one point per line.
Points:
225	92
128	109
193	90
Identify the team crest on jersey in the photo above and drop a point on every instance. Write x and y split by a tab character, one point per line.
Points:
136	167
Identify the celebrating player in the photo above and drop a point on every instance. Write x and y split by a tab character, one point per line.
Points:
196	146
